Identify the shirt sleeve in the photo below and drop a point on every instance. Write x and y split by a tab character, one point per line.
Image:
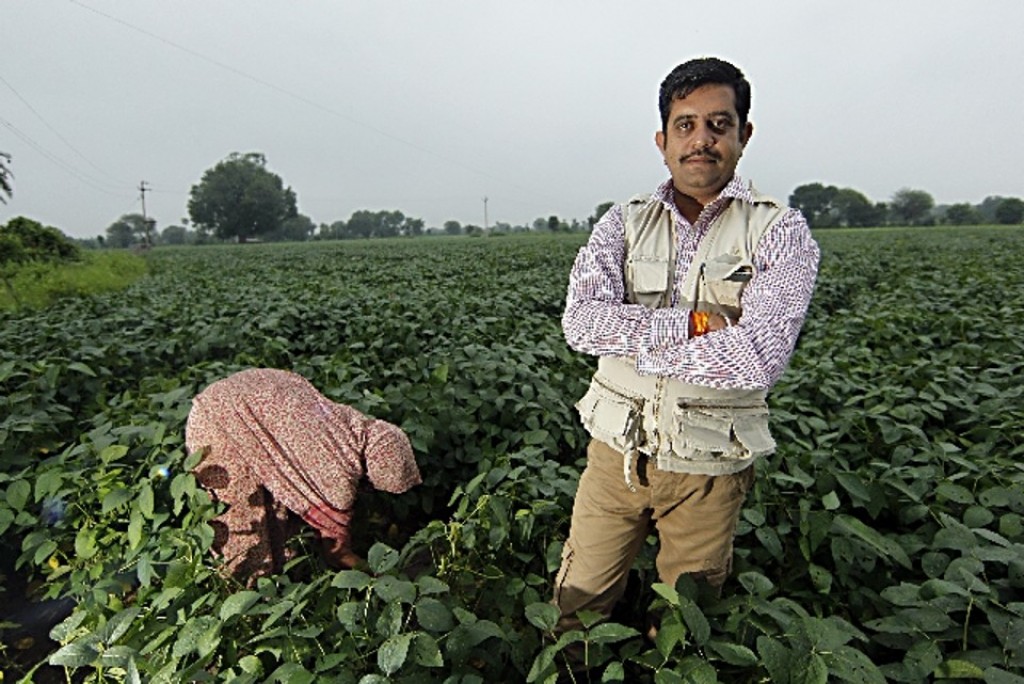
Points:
753	353
596	320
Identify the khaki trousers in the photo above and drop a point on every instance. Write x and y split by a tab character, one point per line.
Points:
695	516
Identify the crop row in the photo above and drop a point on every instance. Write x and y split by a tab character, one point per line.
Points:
884	541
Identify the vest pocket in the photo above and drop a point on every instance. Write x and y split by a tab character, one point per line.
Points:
648	275
713	432
725	277
609	415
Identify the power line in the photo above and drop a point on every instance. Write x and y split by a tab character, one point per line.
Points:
303	99
94	183
56	132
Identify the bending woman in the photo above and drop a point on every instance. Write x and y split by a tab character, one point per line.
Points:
275	446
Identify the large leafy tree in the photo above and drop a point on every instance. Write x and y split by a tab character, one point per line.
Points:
1010	211
963	214
912	207
130	229
852	208
814	201
240	198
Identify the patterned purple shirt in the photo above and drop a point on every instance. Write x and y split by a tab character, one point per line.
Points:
749	355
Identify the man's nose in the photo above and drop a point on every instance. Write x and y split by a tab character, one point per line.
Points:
704	138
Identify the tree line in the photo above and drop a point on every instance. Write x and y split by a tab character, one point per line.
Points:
241	200
828	206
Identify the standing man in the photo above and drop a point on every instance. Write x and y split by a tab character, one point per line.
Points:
692	298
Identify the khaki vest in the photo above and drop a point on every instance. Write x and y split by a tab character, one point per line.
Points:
683	427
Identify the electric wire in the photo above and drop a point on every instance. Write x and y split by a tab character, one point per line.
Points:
307	101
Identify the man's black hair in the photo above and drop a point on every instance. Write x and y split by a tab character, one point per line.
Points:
689	76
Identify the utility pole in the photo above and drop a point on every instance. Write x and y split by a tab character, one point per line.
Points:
147	224
485	213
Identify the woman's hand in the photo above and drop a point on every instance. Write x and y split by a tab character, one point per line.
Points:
339	555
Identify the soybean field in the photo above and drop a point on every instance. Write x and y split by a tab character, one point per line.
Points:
883	542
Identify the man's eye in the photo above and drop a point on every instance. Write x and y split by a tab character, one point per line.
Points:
684	125
721	125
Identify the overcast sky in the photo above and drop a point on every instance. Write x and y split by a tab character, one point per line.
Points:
541	106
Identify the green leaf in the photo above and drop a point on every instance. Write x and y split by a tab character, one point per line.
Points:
291	673
696	622
535	437
883	545
393	590
610	632
733	654
382	558
615	672
393	652
80	367
995	675
830	501
115	498
351	579
959	669
117	626
666	592
954	492
81	653
113	452
434	616
146	500
429	585
755	583
809	668
18	493
238	604
85	543
777	659
135	525
426	651
542	664
48	483
850	665
542	616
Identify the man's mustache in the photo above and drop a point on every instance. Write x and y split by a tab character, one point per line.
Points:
703	154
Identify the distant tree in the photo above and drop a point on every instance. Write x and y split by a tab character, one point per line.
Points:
1010	211
453	228
814	201
240	199
554	225
361	224
851	208
599	212
174	235
6	177
412	226
127	231
23	240
295	229
38	242
911	207
963	214
988	207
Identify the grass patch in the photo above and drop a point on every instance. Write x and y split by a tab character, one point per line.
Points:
36	285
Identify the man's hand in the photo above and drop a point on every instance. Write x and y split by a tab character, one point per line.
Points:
719	322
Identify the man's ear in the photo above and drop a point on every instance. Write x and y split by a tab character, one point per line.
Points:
659	140
748	131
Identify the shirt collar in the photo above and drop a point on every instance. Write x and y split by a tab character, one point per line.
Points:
736	188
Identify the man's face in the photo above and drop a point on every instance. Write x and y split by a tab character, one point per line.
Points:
704	141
